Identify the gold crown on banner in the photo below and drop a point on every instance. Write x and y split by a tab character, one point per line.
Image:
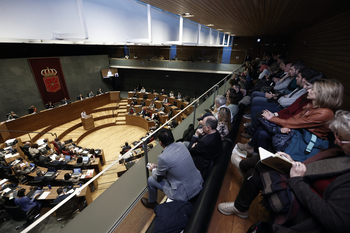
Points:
48	72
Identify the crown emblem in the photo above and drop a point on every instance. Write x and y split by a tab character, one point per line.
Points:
48	72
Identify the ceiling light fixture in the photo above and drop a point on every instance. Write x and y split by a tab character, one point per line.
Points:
220	29
209	25
187	15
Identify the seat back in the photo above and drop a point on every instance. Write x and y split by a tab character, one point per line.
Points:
68	208
16	213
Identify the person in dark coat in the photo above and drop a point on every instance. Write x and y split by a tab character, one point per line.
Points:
205	149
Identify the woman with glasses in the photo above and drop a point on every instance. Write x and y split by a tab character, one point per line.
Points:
317	190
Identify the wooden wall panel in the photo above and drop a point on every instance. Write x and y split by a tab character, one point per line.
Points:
326	47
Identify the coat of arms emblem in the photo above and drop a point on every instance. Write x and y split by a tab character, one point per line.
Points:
52	82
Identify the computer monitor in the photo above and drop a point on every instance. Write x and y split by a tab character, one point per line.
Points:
32	164
67	157
175	103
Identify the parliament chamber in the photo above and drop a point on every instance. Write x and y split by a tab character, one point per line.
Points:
157	47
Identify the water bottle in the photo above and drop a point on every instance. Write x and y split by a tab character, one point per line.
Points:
49	186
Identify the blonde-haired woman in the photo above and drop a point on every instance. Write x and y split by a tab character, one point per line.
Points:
224	122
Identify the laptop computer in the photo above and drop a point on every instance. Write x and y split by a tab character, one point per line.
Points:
50	172
86	160
76	172
67	158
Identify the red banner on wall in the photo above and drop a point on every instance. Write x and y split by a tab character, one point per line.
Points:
49	78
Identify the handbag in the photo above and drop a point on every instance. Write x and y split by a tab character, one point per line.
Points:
281	141
304	145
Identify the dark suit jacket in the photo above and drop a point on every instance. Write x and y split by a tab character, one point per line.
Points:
60	198
205	151
44	161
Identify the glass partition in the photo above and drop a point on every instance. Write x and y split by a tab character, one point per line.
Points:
117	201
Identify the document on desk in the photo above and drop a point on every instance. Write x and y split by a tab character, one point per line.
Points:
44	195
3	181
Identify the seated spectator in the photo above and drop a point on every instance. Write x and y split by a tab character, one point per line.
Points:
44	160
291	110
131	111
12	116
143	90
79	161
50	105
178	96
125	148
232	103
165	100
91	94
143	111
153	91
143	103
319	200
34	110
283	81
24	202
162	92
80	97
175	174
239	93
19	169
58	161
74	180
261	103
99	91
151	105
61	195
224	122
39	175
171	94
65	101
34	151
156	97
205	145
326	96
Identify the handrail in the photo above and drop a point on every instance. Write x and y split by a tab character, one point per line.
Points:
19	131
128	153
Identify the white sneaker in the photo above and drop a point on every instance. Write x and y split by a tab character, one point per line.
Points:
228	208
235	160
246	125
247	116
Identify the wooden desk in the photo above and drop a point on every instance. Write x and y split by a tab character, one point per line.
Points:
56	116
63	172
94	165
138	121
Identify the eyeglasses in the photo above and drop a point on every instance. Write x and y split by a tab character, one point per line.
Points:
343	142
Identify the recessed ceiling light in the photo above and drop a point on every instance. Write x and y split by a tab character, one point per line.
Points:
227	32
187	15
209	25
220	29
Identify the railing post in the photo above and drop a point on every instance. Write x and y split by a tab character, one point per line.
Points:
194	112
225	84
146	158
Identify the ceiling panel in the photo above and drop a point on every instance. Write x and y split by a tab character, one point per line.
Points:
255	17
